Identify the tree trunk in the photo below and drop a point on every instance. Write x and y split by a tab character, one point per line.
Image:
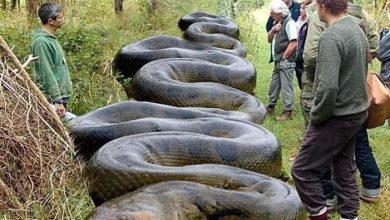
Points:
13	4
32	7
153	5
118	6
4	5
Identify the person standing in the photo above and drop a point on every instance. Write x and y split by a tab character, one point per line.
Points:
50	70
365	160
338	113
283	39
384	54
302	32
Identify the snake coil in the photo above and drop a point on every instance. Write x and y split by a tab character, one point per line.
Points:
189	147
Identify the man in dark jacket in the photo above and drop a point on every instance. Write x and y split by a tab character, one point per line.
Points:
384	53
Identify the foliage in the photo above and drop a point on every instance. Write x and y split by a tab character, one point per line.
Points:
377	11
233	8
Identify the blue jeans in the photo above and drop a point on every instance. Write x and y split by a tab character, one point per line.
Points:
365	162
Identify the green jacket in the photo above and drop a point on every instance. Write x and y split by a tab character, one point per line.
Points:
50	70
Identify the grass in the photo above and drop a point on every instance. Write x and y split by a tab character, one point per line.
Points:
93	33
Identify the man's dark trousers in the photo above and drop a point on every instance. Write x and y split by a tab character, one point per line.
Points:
330	143
365	162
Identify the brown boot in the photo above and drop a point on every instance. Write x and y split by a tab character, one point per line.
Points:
286	115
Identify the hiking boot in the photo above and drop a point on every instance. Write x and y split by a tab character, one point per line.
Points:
286	115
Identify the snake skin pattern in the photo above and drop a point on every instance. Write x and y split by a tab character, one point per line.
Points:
209	160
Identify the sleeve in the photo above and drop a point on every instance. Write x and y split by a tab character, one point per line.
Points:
326	81
384	49
270	23
45	70
314	30
291	30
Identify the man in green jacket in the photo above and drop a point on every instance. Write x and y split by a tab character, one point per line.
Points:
50	70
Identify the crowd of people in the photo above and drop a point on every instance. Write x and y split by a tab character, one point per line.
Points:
329	44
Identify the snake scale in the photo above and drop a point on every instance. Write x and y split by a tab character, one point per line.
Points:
190	146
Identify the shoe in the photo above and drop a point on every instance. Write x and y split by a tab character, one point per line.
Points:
369	195
369	199
69	116
331	205
270	110
319	217
286	115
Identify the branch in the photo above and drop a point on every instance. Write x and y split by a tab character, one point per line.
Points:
29	59
36	90
10	195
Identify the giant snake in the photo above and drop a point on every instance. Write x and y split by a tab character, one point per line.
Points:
158	161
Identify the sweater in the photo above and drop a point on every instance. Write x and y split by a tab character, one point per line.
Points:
50	70
340	79
315	28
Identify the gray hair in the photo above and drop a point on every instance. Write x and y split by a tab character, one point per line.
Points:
279	7
49	10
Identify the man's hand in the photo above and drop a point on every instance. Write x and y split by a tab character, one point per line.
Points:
60	109
276	28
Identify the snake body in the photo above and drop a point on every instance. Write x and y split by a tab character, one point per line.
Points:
153	161
259	197
96	128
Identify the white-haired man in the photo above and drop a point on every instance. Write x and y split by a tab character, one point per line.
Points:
283	38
